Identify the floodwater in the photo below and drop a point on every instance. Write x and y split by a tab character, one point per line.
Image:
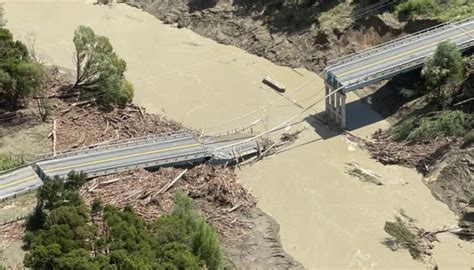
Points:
328	219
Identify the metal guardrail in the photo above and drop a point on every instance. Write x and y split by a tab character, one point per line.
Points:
195	156
389	72
138	165
407	38
119	143
108	146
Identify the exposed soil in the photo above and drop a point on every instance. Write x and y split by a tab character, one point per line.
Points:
282	42
452	183
24	135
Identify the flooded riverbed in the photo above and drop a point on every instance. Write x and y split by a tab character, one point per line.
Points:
328	219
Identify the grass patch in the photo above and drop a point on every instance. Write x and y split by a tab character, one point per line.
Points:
416	129
468	140
434	9
337	17
9	162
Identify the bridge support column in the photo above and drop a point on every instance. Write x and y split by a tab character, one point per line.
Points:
336	106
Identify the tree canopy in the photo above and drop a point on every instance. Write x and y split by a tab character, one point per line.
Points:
99	71
442	71
20	76
445	65
3	20
64	233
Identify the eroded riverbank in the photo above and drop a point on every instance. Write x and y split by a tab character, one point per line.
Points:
327	218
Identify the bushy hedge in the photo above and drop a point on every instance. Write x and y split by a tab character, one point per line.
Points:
416	129
444	10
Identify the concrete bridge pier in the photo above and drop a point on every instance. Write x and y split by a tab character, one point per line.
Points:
336	106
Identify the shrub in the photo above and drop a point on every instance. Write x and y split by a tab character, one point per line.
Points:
471	201
434	9
415	129
468	140
402	130
410	9
8	162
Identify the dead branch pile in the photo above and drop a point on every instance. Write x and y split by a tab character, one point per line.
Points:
55	83
87	125
217	194
290	136
80	123
11	232
421	156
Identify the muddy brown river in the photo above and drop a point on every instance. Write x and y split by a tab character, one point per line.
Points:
328	219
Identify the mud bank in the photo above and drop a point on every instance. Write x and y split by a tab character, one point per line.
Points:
262	249
294	44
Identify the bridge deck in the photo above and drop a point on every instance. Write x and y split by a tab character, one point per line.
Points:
111	160
18	181
368	66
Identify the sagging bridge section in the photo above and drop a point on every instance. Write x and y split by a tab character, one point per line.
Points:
172	149
387	60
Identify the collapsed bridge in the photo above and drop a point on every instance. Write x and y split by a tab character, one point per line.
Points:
180	148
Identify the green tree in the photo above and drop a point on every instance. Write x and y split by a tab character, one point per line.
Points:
445	67
178	256
203	238
78	259
20	77
42	257
99	71
96	206
66	238
3	20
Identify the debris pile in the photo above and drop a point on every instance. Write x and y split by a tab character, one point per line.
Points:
11	232
218	196
420	156
80	123
290	136
80	126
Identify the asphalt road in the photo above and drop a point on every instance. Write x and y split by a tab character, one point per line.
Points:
116	158
123	157
391	56
18	181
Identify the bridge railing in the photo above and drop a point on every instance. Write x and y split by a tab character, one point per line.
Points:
405	39
195	156
119	143
389	72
